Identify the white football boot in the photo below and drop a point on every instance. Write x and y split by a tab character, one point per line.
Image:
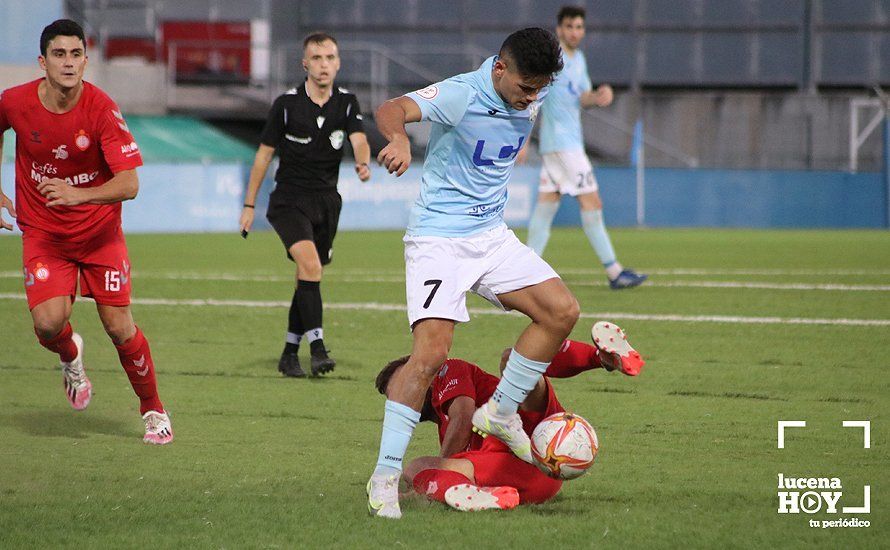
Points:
383	496
470	498
78	388
158	430
486	421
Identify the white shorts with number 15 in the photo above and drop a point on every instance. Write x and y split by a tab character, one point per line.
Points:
439	271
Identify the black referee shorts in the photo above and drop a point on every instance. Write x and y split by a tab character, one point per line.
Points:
307	217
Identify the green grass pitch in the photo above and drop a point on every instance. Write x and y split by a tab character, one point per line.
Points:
735	327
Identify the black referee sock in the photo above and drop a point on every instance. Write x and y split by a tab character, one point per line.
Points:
294	326
308	300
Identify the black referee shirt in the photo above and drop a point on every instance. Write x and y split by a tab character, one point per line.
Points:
309	139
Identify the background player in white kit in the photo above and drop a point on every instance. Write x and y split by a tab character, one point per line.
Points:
566	169
457	241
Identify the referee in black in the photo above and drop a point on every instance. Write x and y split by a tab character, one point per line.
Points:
307	126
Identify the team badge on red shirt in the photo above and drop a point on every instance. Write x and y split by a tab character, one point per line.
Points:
82	140
41	272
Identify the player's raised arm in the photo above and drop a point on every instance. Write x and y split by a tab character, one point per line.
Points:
391	119
5	202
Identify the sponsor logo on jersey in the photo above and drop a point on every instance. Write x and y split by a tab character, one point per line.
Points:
61	152
336	138
300	140
129	148
82	140
79	179
429	93
449	385
45	169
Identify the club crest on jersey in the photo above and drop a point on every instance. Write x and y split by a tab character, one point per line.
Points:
82	140
429	93
41	272
533	111
336	138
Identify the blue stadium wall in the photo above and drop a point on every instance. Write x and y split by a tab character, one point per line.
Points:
208	197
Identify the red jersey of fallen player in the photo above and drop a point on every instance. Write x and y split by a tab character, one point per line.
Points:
460	378
84	147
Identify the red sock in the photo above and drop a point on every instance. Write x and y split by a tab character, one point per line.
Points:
434	483
61	344
572	359
135	357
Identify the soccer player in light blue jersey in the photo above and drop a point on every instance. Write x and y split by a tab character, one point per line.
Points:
566	169
457	242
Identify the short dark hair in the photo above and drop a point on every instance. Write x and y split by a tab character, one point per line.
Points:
570	12
318	37
535	51
427	412
383	377
60	27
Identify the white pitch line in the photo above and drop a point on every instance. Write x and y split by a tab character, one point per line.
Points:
340	272
395	279
376	306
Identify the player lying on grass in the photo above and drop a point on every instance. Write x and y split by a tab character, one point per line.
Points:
472	473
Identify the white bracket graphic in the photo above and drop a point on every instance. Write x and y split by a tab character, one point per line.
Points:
866	503
866	431
788	424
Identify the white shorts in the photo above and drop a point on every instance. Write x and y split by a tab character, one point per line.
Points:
567	172
440	270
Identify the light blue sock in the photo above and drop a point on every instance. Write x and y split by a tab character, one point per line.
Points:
595	229
539	225
519	377
398	426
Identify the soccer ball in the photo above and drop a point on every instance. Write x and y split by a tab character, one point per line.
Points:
564	445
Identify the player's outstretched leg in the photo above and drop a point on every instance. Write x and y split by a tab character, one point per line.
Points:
553	311
595	228
458	491
616	353
470	498
135	357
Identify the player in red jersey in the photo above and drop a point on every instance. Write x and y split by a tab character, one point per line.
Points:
472	473
75	163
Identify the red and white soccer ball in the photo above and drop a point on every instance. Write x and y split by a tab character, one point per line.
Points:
564	445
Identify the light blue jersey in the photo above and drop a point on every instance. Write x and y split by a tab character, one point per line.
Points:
561	112
472	149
